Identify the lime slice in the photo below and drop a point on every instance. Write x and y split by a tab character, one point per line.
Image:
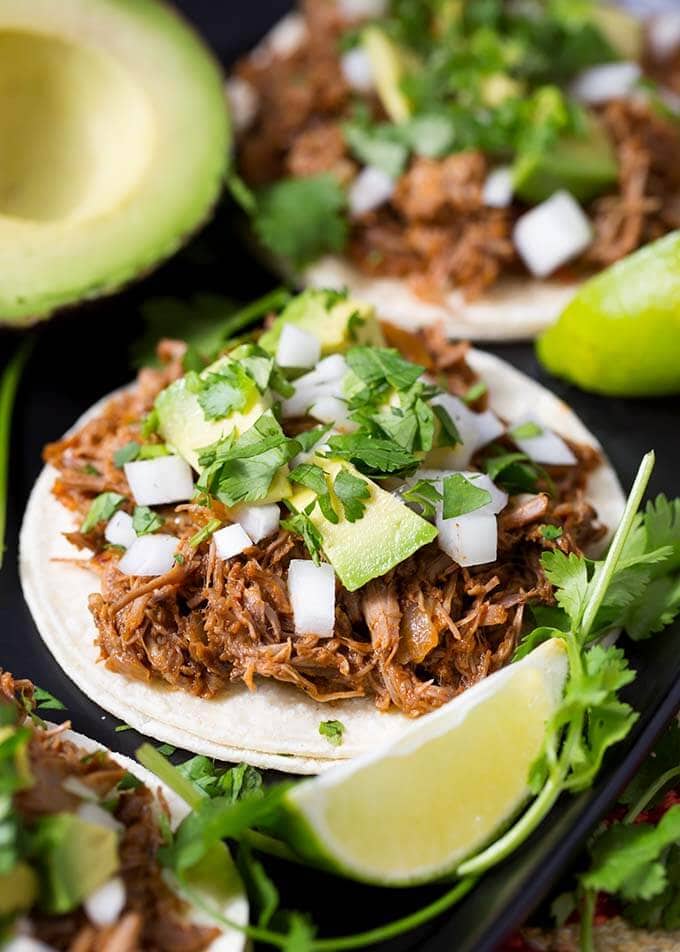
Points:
620	334
412	811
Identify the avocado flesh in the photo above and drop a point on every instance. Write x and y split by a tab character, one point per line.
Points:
115	140
388	63
331	323
18	890
75	858
624	31
584	166
387	533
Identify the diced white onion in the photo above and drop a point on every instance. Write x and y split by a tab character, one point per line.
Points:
471	539
371	188
104	906
154	482
466	423
357	69
552	233
332	410
663	33
79	789
97	816
599	84
231	541
119	530
243	102
489	427
258	521
324	381
149	555
297	348
287	36
362	9
497	189
547	448
26	943
311	589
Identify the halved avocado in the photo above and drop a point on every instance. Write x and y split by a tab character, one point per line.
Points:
115	139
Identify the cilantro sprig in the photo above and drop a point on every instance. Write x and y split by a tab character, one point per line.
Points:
9	383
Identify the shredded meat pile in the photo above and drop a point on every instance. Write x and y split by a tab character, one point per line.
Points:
153	917
436	232
411	640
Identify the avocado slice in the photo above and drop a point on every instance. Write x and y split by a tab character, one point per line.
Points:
387	533
115	142
336	321
75	858
389	64
624	31
182	421
585	166
18	890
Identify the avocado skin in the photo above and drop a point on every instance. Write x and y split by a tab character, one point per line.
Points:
74	858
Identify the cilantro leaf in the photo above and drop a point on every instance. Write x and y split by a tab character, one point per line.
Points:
462	496
476	391
375	456
308	439
448	431
301	219
377	145
551	533
302	525
145	520
351	491
383	366
223	392
262	893
311	476
569	575
424	494
125	454
101	510
525	431
45	701
332	731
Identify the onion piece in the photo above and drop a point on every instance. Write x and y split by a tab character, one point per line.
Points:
471	539
119	530
104	905
547	447
332	410
663	32
362	9
98	816
498	188
324	381
371	188
258	521
311	589
599	84
26	943
552	233
489	427
231	541
79	789
357	69
287	36
149	555
297	348
243	102
165	479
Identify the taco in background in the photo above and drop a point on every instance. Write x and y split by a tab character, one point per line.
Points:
81	833
464	162
363	541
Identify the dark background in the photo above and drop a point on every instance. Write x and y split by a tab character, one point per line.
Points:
85	353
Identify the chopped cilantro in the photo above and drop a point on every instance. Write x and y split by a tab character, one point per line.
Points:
178	558
101	510
424	494
462	496
224	391
145	520
167	750
378	145
121	728
383	366
125	454
476	391
153	451
448	431
129	782
332	731
150	424
91	470
302	525
352	493
45	701
301	219
204	534
516	473
311	476
309	438
525	431
371	455
552	532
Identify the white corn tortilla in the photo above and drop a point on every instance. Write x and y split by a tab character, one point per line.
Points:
234	906
276	726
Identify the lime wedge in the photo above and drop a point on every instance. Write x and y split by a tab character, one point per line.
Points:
412	811
620	334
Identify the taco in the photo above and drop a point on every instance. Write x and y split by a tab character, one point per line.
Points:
362	543
464	162
82	829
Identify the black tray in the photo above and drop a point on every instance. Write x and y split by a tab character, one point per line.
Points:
84	354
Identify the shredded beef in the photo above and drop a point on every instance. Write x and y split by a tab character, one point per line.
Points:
436	233
410	641
154	917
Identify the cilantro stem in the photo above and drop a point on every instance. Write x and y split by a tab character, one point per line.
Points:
272	301
154	761
650	793
271	846
618	542
587	913
8	388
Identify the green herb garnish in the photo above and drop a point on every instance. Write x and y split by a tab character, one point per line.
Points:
145	520
101	510
462	496
126	454
332	731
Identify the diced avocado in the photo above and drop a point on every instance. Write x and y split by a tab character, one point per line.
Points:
18	890
389	65
98	189
182	421
336	321
498	87
75	858
624	31
386	534
585	166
